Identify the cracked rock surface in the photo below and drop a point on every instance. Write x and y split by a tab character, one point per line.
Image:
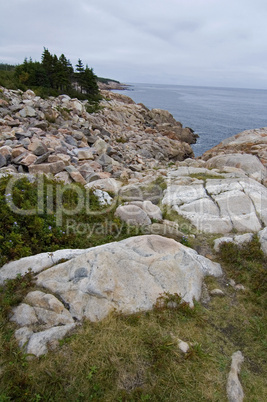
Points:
127	276
217	205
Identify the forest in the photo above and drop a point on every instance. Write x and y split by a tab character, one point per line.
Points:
51	77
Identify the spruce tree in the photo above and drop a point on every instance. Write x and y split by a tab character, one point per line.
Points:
65	71
90	82
47	63
80	74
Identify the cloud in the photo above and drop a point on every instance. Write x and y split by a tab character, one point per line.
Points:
198	42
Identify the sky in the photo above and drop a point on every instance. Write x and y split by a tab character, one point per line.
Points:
219	43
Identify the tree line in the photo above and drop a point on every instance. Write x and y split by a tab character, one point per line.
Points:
56	75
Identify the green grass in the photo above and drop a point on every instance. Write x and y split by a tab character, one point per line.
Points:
205	176
247	265
133	357
185	225
51	229
136	357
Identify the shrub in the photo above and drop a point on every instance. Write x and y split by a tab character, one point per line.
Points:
23	235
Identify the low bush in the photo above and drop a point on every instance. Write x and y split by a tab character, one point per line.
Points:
26	234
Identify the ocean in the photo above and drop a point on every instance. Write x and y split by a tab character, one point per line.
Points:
213	113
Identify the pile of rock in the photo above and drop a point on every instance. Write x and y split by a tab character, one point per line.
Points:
58	136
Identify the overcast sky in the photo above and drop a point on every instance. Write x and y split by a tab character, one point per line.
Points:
183	42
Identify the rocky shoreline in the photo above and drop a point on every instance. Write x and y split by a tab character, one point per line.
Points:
60	137
111	85
120	151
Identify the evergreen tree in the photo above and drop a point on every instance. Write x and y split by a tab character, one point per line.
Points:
32	73
54	75
80	74
47	63
90	82
80	66
65	72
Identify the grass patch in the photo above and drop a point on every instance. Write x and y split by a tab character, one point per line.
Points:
205	176
161	182
247	264
136	357
185	225
54	227
93	107
121	140
14	290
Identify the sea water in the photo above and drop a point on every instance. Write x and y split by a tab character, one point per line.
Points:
213	113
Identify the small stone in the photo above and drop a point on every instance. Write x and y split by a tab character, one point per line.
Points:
42	158
27	111
64	177
37	148
77	177
70	140
183	346
46	168
84	154
29	94
232	283
234	388
18	151
132	215
240	287
103	197
217	292
28	160
3	161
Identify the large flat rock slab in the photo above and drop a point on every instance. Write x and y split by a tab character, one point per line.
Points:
127	276
36	263
218	205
